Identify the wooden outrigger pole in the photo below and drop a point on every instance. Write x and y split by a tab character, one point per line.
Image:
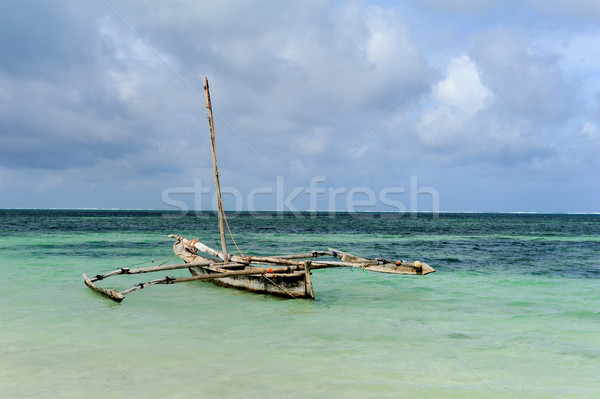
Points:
220	210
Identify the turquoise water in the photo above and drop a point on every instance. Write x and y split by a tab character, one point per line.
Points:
513	311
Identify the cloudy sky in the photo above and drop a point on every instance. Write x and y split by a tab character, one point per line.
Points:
466	105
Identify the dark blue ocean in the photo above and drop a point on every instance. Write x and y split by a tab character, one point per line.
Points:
513	310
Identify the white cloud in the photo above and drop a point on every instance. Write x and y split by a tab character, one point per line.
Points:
447	121
590	131
359	152
462	90
313	142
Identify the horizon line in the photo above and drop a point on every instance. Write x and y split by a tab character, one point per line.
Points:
307	211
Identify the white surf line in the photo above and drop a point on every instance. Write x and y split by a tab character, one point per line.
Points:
185	83
370	128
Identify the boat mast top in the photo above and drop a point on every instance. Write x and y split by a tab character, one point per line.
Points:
214	160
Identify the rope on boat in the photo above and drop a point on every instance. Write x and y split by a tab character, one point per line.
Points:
169	280
212	139
172	257
231	235
190	246
280	287
363	267
150	261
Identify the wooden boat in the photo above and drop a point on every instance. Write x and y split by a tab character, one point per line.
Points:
287	276
292	283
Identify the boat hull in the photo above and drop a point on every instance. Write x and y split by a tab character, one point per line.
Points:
285	285
292	285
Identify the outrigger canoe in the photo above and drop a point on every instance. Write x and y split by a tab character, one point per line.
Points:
287	276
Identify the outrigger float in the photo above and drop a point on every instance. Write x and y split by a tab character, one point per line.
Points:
286	276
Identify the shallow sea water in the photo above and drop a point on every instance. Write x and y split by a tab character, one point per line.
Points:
512	312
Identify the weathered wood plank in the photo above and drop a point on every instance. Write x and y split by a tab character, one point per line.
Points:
149	269
110	293
346	257
312	254
308	289
386	266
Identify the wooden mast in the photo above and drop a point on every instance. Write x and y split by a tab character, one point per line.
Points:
211	123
